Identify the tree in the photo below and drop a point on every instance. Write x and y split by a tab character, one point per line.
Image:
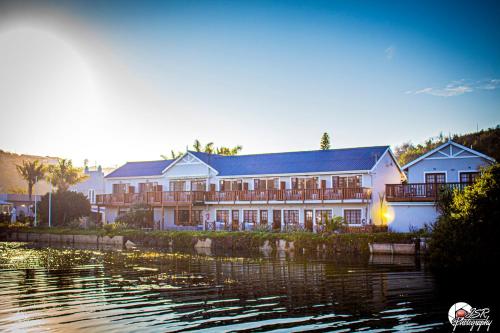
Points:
67	206
466	235
229	151
63	175
208	148
325	141
32	172
486	141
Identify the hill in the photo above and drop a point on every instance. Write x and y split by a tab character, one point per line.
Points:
11	181
485	141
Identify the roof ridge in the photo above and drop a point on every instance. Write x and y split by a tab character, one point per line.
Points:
289	152
145	161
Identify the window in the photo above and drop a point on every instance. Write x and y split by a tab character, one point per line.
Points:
346	181
250	216
222	216
230	185
468	177
264	219
265	184
352	216
435	178
322	215
304	183
291	217
182	217
197	217
177	185
91	196
199	185
120	188
147	187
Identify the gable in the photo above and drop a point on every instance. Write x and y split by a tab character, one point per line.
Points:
188	166
450	151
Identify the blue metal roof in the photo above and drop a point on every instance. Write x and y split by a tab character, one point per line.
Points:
140	169
349	159
333	160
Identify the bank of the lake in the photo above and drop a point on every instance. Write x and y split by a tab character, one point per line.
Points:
302	242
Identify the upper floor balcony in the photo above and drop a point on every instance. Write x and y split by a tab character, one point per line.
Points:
418	192
172	198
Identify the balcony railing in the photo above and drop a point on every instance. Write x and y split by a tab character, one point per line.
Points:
192	197
418	191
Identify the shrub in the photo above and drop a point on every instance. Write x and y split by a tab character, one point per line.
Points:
332	225
67	207
139	216
262	228
466	235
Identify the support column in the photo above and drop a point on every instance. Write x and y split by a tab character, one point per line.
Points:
162	218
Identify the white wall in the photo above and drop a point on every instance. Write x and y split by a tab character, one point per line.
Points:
385	172
411	216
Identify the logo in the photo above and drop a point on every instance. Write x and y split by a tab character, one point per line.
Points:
462	314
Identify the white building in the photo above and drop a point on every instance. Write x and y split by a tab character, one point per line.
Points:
365	186
412	205
92	186
239	192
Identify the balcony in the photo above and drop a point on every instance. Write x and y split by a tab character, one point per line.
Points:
418	192
175	198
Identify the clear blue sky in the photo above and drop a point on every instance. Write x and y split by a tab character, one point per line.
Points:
132	80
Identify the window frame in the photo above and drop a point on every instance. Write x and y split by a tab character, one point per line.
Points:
351	210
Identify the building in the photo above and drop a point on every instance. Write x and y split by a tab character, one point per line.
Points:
411	205
280	190
92	186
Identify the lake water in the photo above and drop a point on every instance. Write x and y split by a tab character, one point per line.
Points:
58	289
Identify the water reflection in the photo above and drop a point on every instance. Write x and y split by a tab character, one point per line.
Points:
145	290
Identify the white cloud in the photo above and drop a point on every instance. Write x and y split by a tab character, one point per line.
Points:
457	88
390	52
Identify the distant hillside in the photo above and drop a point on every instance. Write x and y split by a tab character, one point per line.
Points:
484	141
11	181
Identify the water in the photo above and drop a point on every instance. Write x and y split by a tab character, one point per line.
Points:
51	289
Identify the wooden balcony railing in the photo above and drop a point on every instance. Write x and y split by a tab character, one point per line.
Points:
191	197
291	195
418	191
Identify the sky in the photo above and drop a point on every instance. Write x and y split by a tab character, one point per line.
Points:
130	80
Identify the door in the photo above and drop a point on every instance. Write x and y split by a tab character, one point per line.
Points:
431	179
235	219
277	219
308	220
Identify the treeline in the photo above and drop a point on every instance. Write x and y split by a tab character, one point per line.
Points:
485	141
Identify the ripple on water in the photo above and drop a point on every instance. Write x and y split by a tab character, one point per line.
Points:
71	289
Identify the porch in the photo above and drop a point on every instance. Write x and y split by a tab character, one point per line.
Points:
175	198
419	192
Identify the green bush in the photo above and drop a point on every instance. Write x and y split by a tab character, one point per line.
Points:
139	216
466	235
67	207
332	225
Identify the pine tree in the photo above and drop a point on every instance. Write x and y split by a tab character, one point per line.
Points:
325	141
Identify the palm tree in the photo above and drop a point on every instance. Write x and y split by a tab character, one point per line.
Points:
31	172
197	145
209	148
64	174
229	151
